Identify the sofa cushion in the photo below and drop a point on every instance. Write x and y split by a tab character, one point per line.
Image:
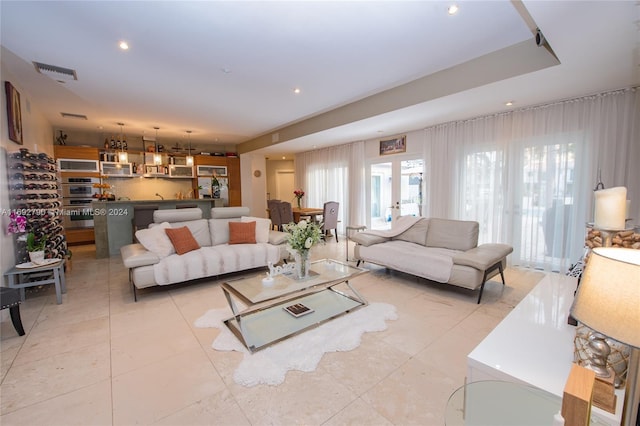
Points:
182	239
278	237
229	212
199	229
242	232
156	240
214	260
136	255
366	239
262	227
483	256
416	234
452	234
177	215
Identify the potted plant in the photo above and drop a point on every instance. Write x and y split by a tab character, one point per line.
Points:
215	187
35	247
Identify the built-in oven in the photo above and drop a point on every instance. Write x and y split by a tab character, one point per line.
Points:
77	195
79	187
77	213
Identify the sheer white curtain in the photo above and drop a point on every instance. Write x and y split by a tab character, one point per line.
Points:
334	174
528	176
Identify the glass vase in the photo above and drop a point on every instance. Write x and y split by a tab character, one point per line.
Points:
302	265
299	202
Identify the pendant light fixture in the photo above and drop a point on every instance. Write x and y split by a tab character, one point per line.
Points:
157	158
189	157
123	157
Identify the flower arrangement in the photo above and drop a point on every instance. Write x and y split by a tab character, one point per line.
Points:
302	236
299	193
17	224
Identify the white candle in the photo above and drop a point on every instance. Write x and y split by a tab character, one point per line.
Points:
611	207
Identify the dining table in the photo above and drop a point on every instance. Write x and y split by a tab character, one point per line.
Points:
312	212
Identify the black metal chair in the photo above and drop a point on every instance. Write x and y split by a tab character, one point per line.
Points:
10	298
330	218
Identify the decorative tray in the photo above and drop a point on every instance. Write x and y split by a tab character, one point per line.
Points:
29	265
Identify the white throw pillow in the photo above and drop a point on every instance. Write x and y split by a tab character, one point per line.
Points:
262	227
156	240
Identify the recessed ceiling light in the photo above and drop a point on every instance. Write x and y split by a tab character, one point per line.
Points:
124	45
453	9
296	90
509	103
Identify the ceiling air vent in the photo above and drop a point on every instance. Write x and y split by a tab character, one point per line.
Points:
57	73
74	116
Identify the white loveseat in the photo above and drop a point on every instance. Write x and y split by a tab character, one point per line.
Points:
440	250
154	261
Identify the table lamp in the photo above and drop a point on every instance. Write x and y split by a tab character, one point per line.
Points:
608	301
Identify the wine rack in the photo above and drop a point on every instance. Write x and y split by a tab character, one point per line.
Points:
35	193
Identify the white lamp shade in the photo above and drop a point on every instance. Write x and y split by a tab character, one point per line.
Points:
608	297
611	208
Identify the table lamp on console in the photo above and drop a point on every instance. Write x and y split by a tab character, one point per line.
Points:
608	301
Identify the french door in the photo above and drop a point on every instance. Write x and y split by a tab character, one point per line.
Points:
395	189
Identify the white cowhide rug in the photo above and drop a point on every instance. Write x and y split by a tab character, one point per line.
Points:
302	352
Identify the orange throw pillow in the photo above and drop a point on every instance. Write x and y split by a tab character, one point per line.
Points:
242	232
182	239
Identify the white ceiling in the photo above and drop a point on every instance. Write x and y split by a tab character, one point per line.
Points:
227	70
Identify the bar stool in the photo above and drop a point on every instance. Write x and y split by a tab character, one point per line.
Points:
10	298
142	217
348	230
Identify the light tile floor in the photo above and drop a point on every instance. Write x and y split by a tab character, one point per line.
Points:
101	359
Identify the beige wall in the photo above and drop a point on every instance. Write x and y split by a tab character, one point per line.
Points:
273	166
37	137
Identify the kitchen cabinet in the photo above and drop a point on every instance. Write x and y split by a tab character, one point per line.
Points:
207	165
115	169
76	152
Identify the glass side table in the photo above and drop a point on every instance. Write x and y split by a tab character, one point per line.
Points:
501	403
28	275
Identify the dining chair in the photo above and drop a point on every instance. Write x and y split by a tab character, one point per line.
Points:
286	212
274	214
330	218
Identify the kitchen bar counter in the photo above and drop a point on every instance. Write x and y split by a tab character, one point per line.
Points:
113	220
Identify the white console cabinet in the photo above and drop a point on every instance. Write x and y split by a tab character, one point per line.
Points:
534	345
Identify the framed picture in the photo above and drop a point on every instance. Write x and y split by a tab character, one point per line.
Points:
14	113
393	146
151	169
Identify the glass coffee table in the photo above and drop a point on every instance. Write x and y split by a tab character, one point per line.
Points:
326	293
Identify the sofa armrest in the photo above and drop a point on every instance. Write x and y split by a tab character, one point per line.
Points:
366	239
277	237
134	255
484	256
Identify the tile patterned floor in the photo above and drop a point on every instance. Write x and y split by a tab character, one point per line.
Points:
101	359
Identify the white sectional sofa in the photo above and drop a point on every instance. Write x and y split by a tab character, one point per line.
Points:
154	261
440	250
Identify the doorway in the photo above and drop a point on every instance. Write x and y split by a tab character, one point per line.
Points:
396	189
284	185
